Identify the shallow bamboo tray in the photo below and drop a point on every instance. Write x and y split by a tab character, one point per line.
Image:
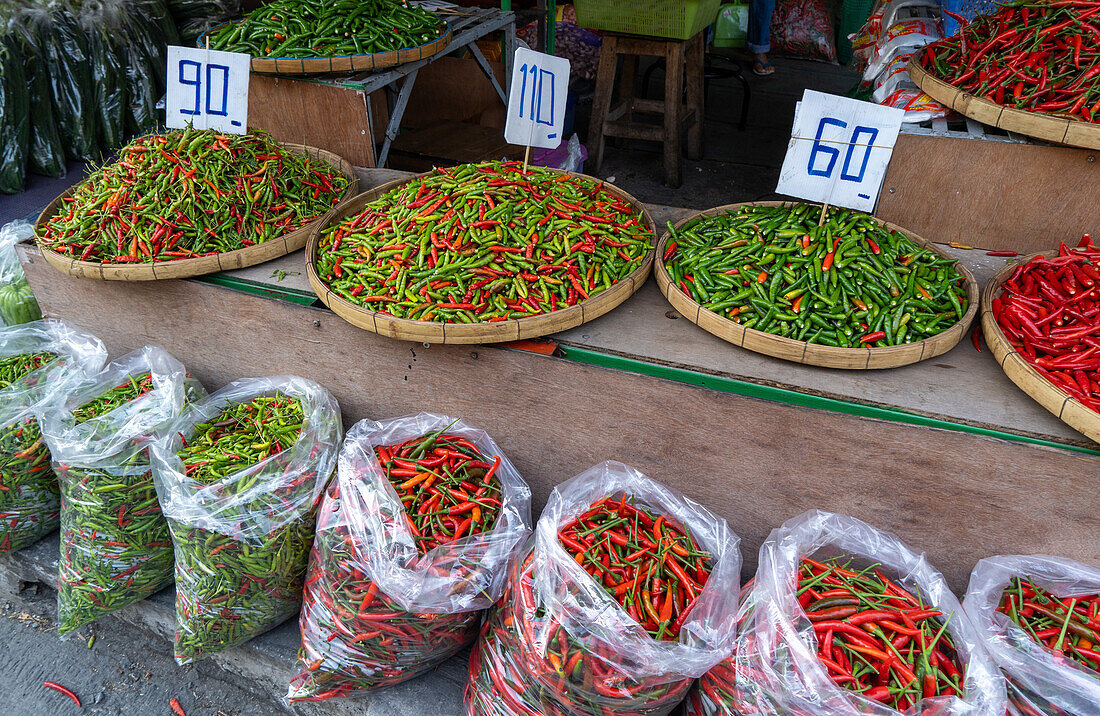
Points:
184	268
431	332
1050	128
343	63
1068	409
812	353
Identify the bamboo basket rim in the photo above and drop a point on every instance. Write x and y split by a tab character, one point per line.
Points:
1058	129
804	352
512	329
1059	403
200	265
342	63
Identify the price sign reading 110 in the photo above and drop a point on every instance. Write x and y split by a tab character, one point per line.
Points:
207	89
536	99
839	150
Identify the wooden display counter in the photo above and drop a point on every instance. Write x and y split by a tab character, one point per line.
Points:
947	453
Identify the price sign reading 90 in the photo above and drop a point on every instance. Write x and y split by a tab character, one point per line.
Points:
207	89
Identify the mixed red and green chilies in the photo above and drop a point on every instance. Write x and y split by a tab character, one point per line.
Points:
191	193
1041	56
840	279
484	243
1066	626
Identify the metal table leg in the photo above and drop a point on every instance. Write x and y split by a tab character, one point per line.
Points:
395	117
484	64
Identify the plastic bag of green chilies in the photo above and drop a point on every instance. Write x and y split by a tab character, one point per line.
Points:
239	476
17	302
14	117
146	67
39	364
46	153
115	545
66	51
101	24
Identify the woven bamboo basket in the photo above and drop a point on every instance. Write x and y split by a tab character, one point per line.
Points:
212	263
1068	409
343	63
812	353
431	332
1050	128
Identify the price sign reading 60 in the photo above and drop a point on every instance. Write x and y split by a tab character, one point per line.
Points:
207	89
839	150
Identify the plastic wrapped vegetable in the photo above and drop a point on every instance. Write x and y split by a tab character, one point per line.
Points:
576	635
414	540
804	646
14	117
17	302
239	476
145	57
108	70
115	546
39	364
804	28
46	153
1040	618
66	52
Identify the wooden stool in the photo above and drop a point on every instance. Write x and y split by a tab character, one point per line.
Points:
619	121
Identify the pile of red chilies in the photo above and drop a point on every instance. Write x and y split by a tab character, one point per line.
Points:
1039	56
354	637
651	567
873	638
1050	311
1067	626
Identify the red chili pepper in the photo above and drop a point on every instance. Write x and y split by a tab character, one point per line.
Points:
174	704
58	687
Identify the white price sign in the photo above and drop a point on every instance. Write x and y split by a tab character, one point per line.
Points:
839	150
536	99
207	89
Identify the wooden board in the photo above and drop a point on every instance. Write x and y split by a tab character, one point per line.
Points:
994	195
757	463
451	143
513	329
200	265
808	353
343	63
319	115
1048	127
1068	409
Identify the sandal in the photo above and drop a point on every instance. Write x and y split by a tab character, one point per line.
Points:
762	69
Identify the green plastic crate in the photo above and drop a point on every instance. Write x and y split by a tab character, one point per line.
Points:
853	15
674	19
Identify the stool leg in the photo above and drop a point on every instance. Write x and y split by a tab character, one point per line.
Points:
601	100
695	96
674	87
625	95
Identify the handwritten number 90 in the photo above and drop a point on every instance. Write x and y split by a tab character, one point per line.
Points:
217	87
861	138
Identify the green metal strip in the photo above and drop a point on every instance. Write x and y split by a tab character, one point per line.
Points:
256	288
794	397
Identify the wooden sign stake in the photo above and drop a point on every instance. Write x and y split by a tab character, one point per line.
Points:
821	219
526	158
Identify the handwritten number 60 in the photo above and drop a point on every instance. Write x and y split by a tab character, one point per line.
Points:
861	138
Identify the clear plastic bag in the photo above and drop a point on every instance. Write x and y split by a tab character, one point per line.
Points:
17	302
1039	681
115	545
66	50
29	500
804	28
102	25
15	127
423	607
46	154
777	667
559	643
242	541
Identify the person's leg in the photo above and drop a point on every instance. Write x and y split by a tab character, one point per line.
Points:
759	41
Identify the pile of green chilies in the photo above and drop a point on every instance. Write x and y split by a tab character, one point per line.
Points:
231	588
483	243
189	193
1040	56
354	636
650	566
115	546
848	282
320	28
874	638
28	486
1066	626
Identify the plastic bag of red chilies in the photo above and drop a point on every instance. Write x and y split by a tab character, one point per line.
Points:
413	541
40	361
843	619
804	28
626	593
1017	602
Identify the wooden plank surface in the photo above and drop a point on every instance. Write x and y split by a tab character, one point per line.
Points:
757	463
994	195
